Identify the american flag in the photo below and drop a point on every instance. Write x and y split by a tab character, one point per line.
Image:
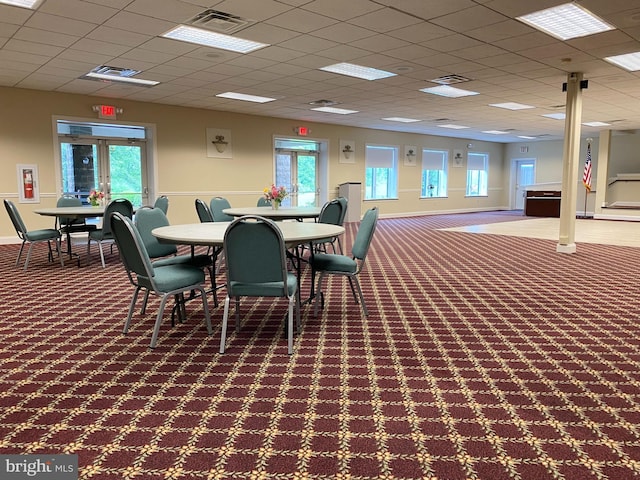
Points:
586	176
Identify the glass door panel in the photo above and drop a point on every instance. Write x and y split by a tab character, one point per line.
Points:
297	171
80	166
125	172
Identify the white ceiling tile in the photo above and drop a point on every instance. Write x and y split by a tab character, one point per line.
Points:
173	11
53	23
78	10
139	23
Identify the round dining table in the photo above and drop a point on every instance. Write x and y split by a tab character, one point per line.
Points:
282	213
212	233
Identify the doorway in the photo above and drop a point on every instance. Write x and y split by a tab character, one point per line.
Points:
297	170
115	166
525	175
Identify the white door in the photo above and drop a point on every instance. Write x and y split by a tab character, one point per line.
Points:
525	170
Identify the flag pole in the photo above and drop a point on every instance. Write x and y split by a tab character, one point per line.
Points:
586	176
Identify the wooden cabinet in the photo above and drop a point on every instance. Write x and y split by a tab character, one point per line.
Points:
542	203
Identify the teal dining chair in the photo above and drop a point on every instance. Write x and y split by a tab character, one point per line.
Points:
257	267
325	264
104	235
32	236
164	281
217	205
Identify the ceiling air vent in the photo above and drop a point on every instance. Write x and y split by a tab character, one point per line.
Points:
450	79
115	71
218	21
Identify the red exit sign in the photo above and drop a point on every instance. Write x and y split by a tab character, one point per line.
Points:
302	131
106	111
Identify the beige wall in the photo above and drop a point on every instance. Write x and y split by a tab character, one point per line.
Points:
185	172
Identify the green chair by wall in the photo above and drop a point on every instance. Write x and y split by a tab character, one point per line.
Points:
104	234
257	267
343	265
203	211
165	281
69	225
32	236
217	205
263	202
162	202
332	212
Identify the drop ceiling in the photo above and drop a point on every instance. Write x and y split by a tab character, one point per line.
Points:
504	60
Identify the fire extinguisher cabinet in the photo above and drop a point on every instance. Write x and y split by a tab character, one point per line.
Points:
352	191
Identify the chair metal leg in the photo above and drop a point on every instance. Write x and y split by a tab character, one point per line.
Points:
237	314
225	318
364	305
26	262
205	308
20	253
156	327
101	254
131	307
290	326
59	249
318	294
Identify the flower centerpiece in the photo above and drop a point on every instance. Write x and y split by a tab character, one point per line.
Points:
95	197
275	195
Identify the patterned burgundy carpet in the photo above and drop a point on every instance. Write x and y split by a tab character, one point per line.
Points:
483	357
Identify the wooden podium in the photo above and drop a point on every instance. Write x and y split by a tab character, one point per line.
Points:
542	203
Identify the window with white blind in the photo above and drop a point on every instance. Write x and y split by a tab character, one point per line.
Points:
381	172
434	173
477	174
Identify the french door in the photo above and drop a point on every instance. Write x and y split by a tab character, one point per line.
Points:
116	167
297	170
525	176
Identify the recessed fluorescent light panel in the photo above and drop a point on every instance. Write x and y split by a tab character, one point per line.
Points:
21	3
495	132
526	137
556	116
628	61
401	119
358	71
566	21
447	91
511	106
213	39
339	111
452	126
118	74
596	124
245	97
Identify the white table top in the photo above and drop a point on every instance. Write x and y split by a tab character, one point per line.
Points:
79	212
283	213
212	233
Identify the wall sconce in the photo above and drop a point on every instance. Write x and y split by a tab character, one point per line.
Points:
220	143
347	151
411	154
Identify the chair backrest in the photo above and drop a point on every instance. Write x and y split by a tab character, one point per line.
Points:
255	255
218	204
68	201
131	247
263	202
16	219
203	211
365	234
162	202
344	202
331	212
120	205
147	219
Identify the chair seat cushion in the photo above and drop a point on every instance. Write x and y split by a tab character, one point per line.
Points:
199	261
98	235
266	289
43	234
329	262
175	277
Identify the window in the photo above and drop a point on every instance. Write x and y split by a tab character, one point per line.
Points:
477	178
381	174
434	173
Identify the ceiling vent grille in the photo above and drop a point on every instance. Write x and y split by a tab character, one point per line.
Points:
450	79
115	71
218	21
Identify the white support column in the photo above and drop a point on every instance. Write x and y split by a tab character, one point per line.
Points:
604	148
570	162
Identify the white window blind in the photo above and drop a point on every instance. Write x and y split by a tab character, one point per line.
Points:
476	162
432	160
380	157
